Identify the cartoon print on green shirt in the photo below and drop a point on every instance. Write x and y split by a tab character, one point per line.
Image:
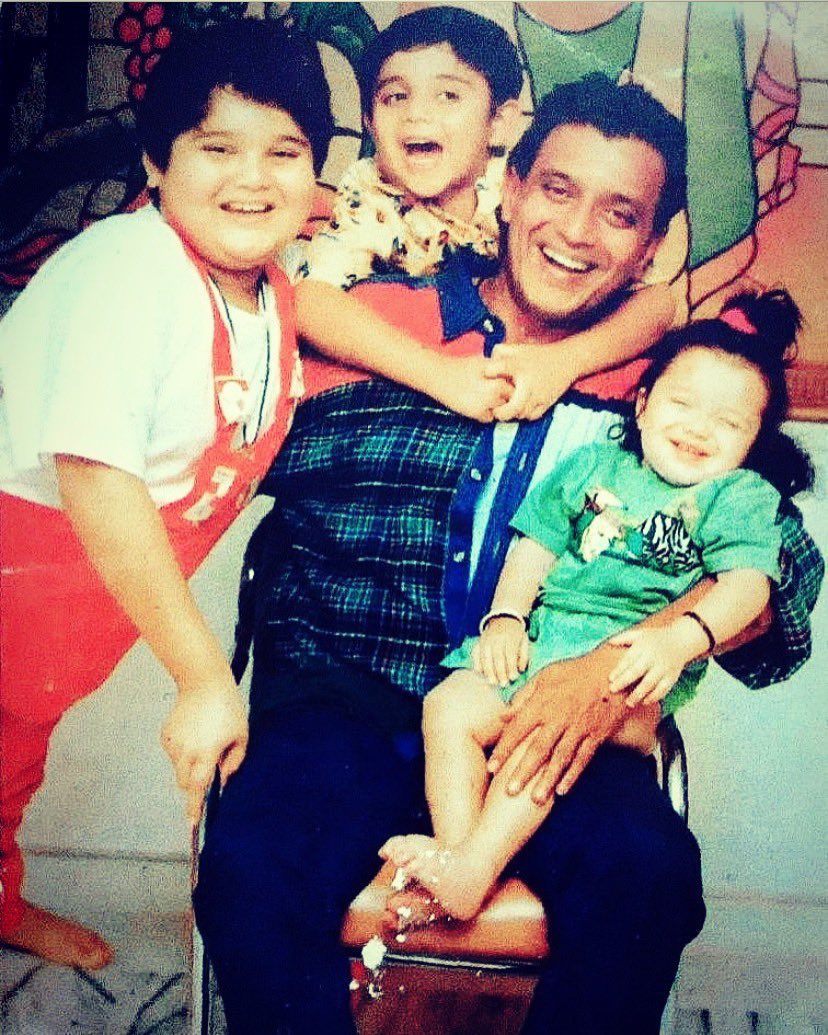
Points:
662	540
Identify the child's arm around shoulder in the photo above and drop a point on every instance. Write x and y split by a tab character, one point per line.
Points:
541	373
124	537
341	326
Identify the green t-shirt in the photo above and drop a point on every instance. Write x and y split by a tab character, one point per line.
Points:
628	544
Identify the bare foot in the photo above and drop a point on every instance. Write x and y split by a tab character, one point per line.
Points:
58	940
403	848
457	877
413	907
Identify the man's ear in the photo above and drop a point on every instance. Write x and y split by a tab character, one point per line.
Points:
154	174
512	185
504	127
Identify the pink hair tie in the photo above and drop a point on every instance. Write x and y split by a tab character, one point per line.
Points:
737	319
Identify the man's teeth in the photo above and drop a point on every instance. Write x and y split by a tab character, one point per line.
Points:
422	147
575	265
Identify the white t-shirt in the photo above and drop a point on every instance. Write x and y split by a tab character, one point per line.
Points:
108	355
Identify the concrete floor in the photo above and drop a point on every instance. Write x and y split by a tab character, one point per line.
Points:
145	991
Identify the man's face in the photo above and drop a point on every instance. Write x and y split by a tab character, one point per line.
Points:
580	226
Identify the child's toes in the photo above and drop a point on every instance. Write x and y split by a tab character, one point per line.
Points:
395	850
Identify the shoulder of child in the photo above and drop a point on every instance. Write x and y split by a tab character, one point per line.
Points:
742	482
137	250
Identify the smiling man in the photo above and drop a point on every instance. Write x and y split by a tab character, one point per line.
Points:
388	533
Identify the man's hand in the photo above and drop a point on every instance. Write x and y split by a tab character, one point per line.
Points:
654	659
502	652
472	386
540	377
563	716
207	728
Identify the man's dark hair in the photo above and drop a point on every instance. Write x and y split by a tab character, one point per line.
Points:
615	111
478	42
261	60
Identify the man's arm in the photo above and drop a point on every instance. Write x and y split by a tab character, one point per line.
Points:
566	712
569	712
762	660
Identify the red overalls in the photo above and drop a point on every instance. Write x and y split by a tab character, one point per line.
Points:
62	633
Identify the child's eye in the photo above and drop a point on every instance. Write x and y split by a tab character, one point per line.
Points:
449	95
216	149
284	152
388	100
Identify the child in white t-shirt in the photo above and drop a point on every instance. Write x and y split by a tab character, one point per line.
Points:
149	373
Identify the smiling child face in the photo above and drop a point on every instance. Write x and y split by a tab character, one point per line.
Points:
701	417
432	123
239	186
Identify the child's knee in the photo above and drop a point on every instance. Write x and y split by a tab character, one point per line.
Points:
463	705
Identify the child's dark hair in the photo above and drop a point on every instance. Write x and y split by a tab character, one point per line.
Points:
261	60
761	329
478	42
615	111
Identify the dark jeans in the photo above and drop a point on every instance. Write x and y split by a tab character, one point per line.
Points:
295	836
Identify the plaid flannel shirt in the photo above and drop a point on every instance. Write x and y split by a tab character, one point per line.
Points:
368	552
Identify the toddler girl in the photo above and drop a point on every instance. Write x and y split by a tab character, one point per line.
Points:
614	536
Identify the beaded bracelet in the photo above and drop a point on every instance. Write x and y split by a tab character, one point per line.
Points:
491	615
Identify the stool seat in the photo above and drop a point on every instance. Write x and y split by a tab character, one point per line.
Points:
511	926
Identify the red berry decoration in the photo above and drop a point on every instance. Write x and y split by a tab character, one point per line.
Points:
137	91
153	15
128	29
150	63
145	46
133	67
162	38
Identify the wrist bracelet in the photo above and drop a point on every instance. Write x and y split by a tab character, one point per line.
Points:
491	615
705	628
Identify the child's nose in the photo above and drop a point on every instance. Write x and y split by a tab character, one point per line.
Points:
418	109
253	169
698	425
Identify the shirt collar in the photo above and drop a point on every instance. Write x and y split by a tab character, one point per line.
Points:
461	307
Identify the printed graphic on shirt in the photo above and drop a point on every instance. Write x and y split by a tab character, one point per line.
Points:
662	541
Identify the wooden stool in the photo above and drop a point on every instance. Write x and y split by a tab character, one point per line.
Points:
511	927
449	976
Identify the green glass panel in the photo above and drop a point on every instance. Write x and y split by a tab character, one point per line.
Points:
721	183
553	57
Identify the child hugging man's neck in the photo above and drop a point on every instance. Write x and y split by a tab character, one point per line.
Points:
439	90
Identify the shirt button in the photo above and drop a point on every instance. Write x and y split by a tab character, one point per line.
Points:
488	326
460	556
475	474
